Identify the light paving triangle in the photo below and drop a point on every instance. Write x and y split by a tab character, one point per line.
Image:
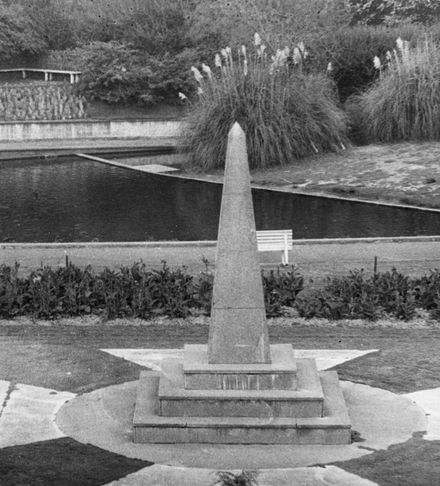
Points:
329	358
429	401
29	415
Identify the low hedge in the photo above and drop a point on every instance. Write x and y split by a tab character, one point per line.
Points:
138	292
128	292
361	296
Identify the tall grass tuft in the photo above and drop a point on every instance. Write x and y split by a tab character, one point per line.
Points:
285	113
404	103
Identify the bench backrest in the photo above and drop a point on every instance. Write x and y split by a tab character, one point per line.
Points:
275	238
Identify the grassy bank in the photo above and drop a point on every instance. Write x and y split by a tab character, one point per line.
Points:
404	173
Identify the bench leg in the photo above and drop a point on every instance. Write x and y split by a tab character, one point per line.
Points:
285	255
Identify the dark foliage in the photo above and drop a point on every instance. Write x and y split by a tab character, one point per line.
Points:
19	35
138	292
358	296
129	292
351	51
280	289
116	73
244	478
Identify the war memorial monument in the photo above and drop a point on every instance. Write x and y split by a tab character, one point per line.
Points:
239	389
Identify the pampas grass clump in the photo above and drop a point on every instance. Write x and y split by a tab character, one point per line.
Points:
285	113
404	103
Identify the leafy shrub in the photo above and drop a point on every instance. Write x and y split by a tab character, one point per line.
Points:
19	35
281	289
51	21
221	22
65	59
404	103
351	51
393	11
427	293
153	26
285	113
116	73
113	72
358	296
40	102
244	478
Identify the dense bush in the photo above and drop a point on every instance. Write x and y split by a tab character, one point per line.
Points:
129	292
352	49
404	103
40	102
221	22
117	73
18	34
281	289
285	113
394	11
243	478
359	296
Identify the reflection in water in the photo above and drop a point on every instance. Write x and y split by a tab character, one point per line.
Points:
77	200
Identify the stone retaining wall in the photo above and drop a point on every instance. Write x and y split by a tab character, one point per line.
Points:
86	129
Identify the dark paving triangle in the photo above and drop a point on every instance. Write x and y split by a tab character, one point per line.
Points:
63	462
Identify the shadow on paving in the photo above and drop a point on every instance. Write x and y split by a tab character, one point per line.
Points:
413	463
63	367
63	462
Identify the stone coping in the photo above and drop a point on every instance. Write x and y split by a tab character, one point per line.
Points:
212	243
93	120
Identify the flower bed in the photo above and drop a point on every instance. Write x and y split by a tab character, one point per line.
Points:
137	292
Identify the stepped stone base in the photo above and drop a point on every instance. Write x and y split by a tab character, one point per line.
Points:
332	429
312	413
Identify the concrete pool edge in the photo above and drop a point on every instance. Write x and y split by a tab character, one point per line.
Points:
213	243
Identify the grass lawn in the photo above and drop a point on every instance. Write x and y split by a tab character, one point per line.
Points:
68	357
405	173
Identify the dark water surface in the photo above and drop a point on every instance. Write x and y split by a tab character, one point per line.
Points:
78	200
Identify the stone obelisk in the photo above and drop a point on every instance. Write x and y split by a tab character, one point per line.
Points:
238	389
238	330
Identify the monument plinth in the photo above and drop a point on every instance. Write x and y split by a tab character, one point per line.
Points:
239	388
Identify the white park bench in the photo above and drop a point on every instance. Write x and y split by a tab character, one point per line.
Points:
276	240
